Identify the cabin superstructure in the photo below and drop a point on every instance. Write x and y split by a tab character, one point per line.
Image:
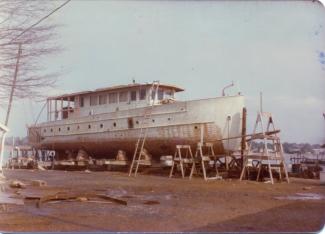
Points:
107	100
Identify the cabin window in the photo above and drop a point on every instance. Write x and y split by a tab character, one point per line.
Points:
51	129
82	101
101	125
56	115
130	123
143	93
59	129
112	98
89	126
123	96
102	99
114	124
133	95
78	127
169	94
93	100
68	128
160	94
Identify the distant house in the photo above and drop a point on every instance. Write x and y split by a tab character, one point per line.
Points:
294	151
319	151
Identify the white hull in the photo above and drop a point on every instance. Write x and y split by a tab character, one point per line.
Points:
102	135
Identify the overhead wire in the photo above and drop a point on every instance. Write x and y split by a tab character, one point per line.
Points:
36	23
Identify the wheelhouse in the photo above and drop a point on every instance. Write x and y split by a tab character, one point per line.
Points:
106	100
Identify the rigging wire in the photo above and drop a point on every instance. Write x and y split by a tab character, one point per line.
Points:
39	114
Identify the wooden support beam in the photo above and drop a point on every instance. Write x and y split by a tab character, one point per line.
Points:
243	138
249	135
202	134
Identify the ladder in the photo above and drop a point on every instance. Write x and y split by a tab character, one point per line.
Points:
137	159
274	158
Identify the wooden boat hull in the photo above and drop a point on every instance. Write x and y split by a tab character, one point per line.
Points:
169	125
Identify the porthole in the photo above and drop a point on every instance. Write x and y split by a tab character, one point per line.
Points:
114	124
59	129
137	122
169	119
68	128
101	125
195	127
153	120
89	126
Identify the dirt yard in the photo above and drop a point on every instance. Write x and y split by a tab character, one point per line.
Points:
157	203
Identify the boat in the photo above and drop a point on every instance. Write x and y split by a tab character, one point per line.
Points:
22	157
103	121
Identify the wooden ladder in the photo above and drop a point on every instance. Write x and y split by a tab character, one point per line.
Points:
137	159
267	156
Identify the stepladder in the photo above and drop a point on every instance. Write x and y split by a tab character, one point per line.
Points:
183	158
140	155
271	157
204	158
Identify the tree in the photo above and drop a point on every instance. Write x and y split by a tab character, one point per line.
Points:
22	73
23	43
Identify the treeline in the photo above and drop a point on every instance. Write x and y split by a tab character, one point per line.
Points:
302	147
16	140
290	147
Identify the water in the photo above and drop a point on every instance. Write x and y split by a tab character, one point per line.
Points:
302	196
307	156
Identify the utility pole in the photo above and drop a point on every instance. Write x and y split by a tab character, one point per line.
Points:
13	84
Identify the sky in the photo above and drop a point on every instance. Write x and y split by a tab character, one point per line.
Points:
273	47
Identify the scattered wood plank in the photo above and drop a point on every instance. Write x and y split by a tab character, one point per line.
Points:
17	184
41	168
56	197
38	183
113	199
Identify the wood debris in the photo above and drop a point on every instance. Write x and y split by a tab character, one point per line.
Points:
38	183
113	199
17	184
